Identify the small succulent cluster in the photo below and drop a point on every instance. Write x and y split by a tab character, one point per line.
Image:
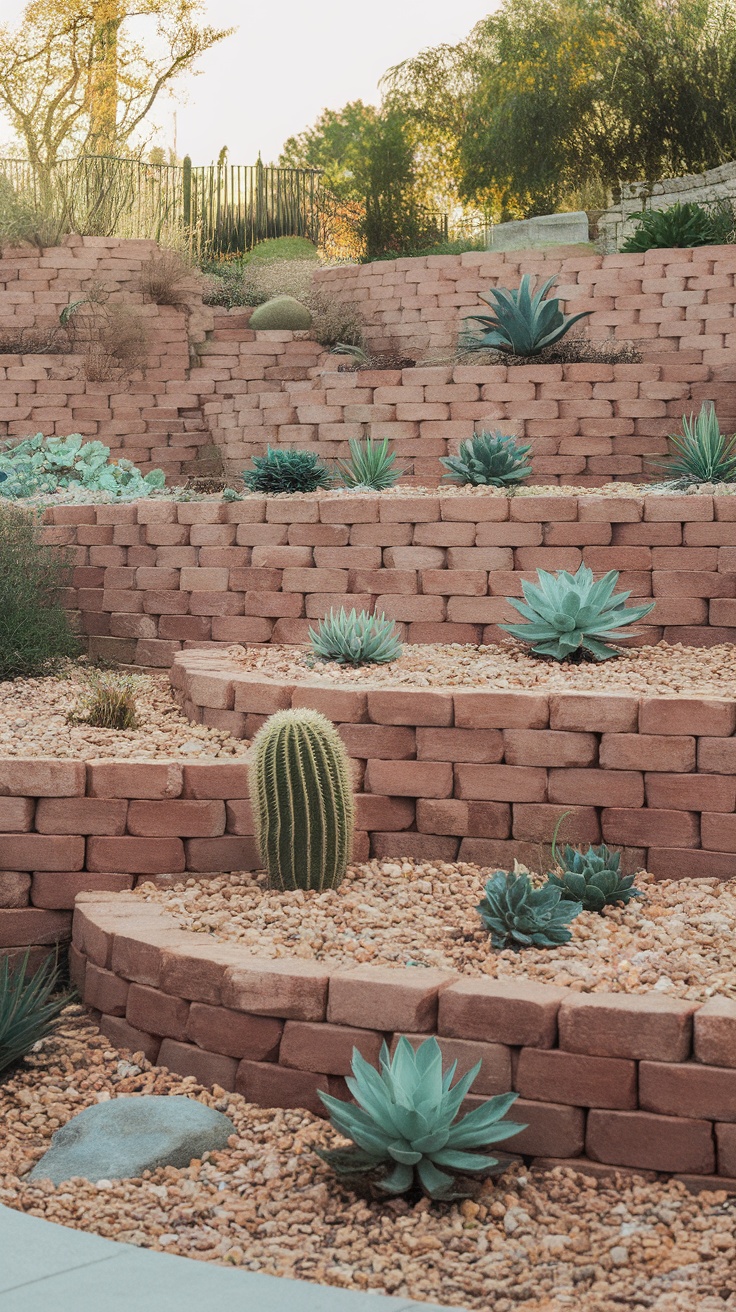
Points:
593	878
355	638
570	615
488	460
518	915
521	322
404	1127
41	465
702	453
284	470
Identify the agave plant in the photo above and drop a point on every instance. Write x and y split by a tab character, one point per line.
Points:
404	1125
29	1006
522	323
286	471
685	224
370	465
488	460
703	454
570	613
355	639
519	915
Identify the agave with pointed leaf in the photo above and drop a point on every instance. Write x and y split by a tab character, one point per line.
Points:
519	915
522	323
488	460
702	453
404	1124
30	1006
284	470
350	638
570	613
370	465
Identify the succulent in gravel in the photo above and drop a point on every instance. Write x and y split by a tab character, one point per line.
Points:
302	799
30	1005
108	702
369	465
571	614
283	470
352	638
519	915
405	1126
702	453
521	323
592	878
42	465
488	460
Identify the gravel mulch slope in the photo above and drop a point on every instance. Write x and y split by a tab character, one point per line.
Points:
678	939
34	721
698	671
535	1242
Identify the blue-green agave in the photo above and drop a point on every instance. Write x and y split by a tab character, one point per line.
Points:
522	322
404	1124
369	465
488	460
701	453
352	638
569	613
519	915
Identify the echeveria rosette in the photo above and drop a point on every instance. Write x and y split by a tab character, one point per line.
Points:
404	1125
519	915
521	323
592	878
567	613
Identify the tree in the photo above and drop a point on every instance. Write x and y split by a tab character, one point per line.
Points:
338	144
77	76
387	179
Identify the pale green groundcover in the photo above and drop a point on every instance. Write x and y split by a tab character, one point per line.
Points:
41	465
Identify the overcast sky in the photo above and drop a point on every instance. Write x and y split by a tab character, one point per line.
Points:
288	60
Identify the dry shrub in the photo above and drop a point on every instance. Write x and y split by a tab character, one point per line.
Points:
111	336
335	321
33	341
108	703
162	276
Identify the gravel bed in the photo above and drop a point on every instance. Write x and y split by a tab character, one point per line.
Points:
701	671
678	939
34	721
537	1241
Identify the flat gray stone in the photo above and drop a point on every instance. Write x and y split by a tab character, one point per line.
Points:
121	1139
543	230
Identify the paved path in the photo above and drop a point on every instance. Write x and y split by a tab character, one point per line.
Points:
49	1268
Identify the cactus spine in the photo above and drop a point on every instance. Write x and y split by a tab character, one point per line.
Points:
302	800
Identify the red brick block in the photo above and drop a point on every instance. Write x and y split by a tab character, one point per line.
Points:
501	710
581	1081
548	747
376	997
104	991
41	852
536	822
195	967
501	783
687	715
135	856
715	1032
386	813
156	1012
597	787
717	755
16	815
393	706
632	751
233	1033
22	926
518	1012
260	696
657	1143
551	1129
409	778
269	1085
208	1068
327	1049
342	705
688	1089
15	887
80	815
650	828
177	819
689	863
288	988
41	777
726	1141
690	792
718	832
494	1075
380	742
122	1035
642	1026
226	854
474	745
57	891
210	780
139	779
590	712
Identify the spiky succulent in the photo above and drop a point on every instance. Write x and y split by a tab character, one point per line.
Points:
681	224
404	1123
593	878
522	322
370	464
353	638
702	453
30	1006
570	613
519	915
488	460
286	471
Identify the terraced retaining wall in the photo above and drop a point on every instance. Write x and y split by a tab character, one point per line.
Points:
636	1081
154	577
484	776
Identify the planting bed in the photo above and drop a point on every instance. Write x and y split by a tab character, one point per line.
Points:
539	1241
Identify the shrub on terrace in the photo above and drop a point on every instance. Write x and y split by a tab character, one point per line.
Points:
109	702
34	629
284	470
369	465
350	638
488	460
685	224
702	453
518	915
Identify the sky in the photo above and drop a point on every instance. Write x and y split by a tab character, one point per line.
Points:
288	60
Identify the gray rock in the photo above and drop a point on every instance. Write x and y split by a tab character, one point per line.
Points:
121	1139
544	230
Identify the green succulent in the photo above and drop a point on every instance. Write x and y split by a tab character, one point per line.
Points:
570	613
42	465
702	453
355	639
522	323
488	460
404	1122
370	465
685	224
30	1006
592	878
519	915
284	470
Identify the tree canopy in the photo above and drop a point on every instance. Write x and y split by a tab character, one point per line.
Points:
339	144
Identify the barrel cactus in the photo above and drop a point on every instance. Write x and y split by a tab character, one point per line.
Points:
281	312
302	800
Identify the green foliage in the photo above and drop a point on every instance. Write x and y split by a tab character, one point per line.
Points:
23	222
405	1126
225	284
702	453
282	248
393	221
30	1006
521	323
592	878
302	800
350	638
109	702
40	465
283	470
488	460
34	629
685	224
337	144
519	915
370	464
282	312
570	614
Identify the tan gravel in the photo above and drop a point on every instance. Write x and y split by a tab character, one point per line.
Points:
535	1242
703	671
34	721
678	939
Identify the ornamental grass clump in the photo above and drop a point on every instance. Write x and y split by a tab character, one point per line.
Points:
369	465
35	635
352	638
569	616
404	1127
109	702
488	460
286	471
30	1006
518	915
702	453
521	323
302	799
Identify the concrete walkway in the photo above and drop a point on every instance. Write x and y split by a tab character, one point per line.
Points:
49	1268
